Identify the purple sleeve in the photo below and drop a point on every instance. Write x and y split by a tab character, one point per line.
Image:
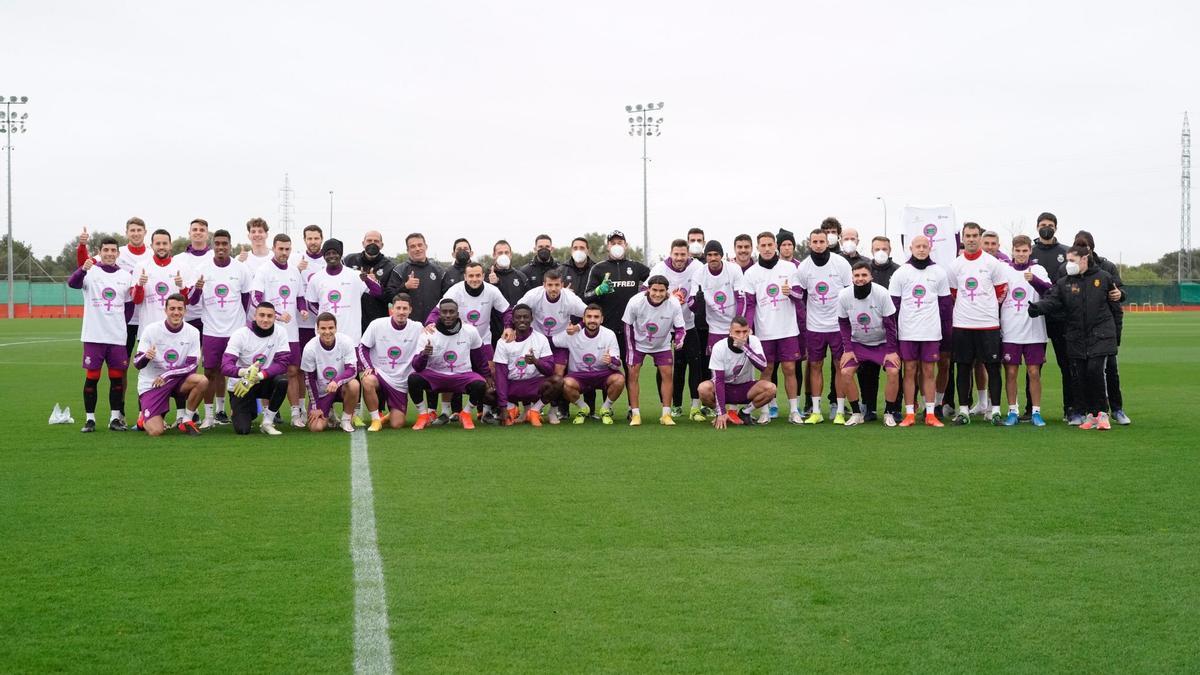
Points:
759	360
140	360
187	368
677	336
506	317
364	356
890	329
258	298
229	366
1039	284
844	329
194	298
129	309
420	361
279	364
739	303
896	302
347	374
311	306
301	305
502	385
691	302
479	362
246	301
545	365
946	311
750	307
76	278
433	316
311	379
719	390
373	287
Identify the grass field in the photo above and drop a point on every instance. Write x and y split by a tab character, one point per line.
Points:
608	549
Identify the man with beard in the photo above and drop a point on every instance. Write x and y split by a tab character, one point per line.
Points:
554	309
678	269
449	360
339	292
734	359
743	251
978	283
385	356
133	257
157	280
280	282
308	261
479	304
524	370
818	281
593	363
256	361
867	322
168	356
418	277
372	261
770	310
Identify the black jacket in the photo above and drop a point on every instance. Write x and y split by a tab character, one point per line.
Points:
1089	317
373	307
1051	257
626	278
512	284
1107	265
453	275
883	275
575	277
425	296
535	270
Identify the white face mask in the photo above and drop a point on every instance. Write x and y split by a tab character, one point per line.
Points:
696	248
832	239
617	251
881	257
579	256
849	247
503	261
1072	268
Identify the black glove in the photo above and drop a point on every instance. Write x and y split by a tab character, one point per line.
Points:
1034	310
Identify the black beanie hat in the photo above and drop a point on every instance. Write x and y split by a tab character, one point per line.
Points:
332	245
785	235
714	246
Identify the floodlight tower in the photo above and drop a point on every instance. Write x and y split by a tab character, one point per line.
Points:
10	125
644	124
287	207
1185	206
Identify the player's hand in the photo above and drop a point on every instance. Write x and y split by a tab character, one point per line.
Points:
315	414
331	388
606	359
493	278
740	343
677	346
304	315
892	358
83	237
158	381
429	328
846	358
303	263
1034	310
530	358
245	252
1115	294
199	285
508	335
179	280
721	421
680	295
413	281
1028	275
151	352
368	371
285	318
786	288
428	351
143	279
364	273
88	264
572	328
605	286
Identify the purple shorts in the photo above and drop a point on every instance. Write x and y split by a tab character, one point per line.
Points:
525	391
157	401
926	350
396	399
782	350
306	336
869	354
713	339
1013	354
560	355
96	354
818	342
738	394
325	403
663	358
946	346
591	380
449	384
297	351
198	324
212	349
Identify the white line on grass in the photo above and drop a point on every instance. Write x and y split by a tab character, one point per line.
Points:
372	646
36	342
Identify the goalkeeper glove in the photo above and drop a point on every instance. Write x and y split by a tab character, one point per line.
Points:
250	378
605	287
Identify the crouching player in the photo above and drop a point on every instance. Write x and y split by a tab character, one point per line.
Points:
170	353
385	355
653	327
524	370
593	362
448	360
328	364
871	339
258	356
732	362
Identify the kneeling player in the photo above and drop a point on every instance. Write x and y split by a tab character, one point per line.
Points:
328	365
440	365
653	327
258	357
170	353
732	363
385	355
872	339
593	362
524	370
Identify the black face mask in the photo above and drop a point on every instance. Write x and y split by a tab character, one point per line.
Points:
371	251
1046	233
820	258
861	292
920	264
543	254
462	258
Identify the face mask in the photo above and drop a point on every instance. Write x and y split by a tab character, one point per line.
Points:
578	256
832	239
617	251
695	248
881	257
543	254
462	257
1046	233
371	250
503	261
1072	268
849	247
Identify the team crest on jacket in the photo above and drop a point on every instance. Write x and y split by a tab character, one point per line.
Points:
628	270
1096	283
432	275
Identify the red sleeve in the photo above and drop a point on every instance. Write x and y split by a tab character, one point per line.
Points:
139	294
81	255
954	293
1001	291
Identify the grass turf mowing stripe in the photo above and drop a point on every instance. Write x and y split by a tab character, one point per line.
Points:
372	646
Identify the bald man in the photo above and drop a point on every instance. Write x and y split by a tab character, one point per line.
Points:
374	262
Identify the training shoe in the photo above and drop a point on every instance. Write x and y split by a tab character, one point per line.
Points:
88	427
579	418
853	421
676	411
1088	423
994	418
962	419
140	424
376	425
1102	422
358	421
188	427
348	426
697	415
423	420
441	420
889	420
269	429
870	416
1121	418
839	418
298	421
635	420
1025	416
773	410
708	412
911	419
606	416
1075	420
1012	419
933	421
489	418
734	418
1036	419
552	417
535	418
208	423
764	417
223	417
815	418
116	425
464	418
666	421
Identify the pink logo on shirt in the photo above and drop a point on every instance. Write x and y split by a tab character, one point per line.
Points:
864	321
393	353
161	289
284	294
773	294
171	356
222	293
720	298
260	359
548	324
473	316
822	291
109	295
335	297
521	365
1018	296
972	285
651	329
330	373
589	360
450	357
918	292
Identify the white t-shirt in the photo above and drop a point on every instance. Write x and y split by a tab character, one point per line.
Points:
172	352
551	318
104	298
281	288
823	283
866	316
774	314
477	309
160	285
975	303
255	262
738	368
678	280
339	294
221	298
327	364
249	348
585	354
451	353
512	354
720	294
191	263
1015	323
919	319
392	350
653	327
314	265
133	263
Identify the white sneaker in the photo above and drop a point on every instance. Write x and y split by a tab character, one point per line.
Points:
553	416
269	429
348	426
795	417
298	421
208	423
854	420
765	416
889	420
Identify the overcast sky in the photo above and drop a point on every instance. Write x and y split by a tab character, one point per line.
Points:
507	118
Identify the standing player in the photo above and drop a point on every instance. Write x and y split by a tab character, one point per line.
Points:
543	260
378	264
819	279
612	283
308	261
653	327
133	257
978	283
678	270
339	292
743	252
107	305
222	291
328	364
593	362
259	253
158	280
867	319
385	355
524	370
167	361
721	289
480	305
921	293
448	360
418	276
258	356
770	310
1024	336
733	361
279	282
554	308
196	254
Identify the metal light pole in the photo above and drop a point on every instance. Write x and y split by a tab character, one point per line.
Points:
645	125
331	214
884	201
11	124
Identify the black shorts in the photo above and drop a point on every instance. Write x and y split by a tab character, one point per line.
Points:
976	345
